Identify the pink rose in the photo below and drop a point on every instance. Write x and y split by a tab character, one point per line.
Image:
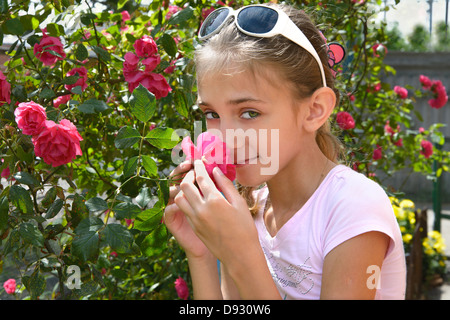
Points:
10	286
5	90
440	95
30	117
345	120
46	49
377	153
212	151
145	46
427	148
81	82
5	172
181	288
401	92
425	81
61	100
377	48
125	16
155	83
151	63
58	144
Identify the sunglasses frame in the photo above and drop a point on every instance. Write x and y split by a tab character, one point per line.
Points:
284	26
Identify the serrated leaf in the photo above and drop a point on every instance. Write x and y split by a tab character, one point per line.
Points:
26	178
126	137
4	212
149	165
118	237
101	53
21	199
169	45
81	52
126	210
149	219
181	16
155	242
54	209
142	103
89	224
14	26
180	102
85	246
79	210
93	106
96	204
36	284
31	234
163	138
130	167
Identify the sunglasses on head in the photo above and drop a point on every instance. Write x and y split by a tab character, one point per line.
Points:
259	21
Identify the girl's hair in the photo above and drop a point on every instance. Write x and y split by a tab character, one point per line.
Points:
231	51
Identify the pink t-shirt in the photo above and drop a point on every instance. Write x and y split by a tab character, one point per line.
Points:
345	205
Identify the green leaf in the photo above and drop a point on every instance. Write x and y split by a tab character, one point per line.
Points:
21	198
118	237
26	178
142	103
169	45
81	52
93	106
36	284
96	204
155	242
4	212
88	225
149	219
149	165
47	93
79	210
14	26
29	22
163	138
101	53
31	234
54	209
85	246
181	16
126	210
130	167
181	103
126	137
121	3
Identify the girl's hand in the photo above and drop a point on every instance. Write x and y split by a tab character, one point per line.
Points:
176	221
222	222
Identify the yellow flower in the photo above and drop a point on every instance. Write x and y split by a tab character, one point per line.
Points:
407	238
407	204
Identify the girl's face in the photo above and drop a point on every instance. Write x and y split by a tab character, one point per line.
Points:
256	119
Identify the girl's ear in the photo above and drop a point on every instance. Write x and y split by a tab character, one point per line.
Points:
320	107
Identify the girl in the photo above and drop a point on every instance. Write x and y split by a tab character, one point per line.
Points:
314	229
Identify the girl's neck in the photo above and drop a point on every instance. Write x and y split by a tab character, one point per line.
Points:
296	182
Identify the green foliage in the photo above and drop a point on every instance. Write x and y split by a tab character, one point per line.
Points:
103	211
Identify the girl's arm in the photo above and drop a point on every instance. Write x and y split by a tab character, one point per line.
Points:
348	267
205	278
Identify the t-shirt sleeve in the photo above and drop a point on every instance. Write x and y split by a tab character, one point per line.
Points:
358	206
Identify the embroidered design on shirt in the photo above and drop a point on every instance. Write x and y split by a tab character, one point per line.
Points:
289	275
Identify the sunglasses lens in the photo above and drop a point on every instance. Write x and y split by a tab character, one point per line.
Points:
214	21
257	20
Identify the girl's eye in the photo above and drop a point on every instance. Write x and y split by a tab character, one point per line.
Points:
211	115
250	114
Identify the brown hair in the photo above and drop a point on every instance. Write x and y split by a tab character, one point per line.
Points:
232	51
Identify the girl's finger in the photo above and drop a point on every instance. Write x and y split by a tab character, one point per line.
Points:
191	193
226	186
205	184
183	204
178	173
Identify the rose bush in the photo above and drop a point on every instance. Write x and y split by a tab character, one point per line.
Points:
87	185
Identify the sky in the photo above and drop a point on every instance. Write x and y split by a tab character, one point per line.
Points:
408	13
